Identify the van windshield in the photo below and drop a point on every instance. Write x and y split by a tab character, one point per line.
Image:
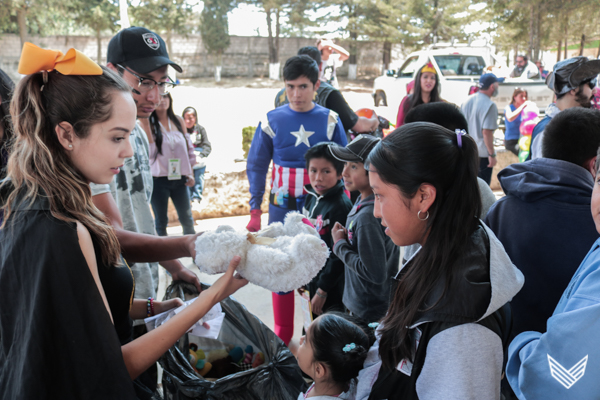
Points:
457	64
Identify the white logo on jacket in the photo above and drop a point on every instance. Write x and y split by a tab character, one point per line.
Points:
565	377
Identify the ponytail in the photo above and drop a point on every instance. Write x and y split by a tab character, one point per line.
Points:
414	154
39	165
341	345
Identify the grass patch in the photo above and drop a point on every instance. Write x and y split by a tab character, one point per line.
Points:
588	45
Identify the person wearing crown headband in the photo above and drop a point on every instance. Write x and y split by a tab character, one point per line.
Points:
67	294
426	90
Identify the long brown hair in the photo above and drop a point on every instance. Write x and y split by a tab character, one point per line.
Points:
517	92
39	165
417	153
434	96
155	125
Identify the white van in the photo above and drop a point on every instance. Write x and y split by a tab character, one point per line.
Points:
459	68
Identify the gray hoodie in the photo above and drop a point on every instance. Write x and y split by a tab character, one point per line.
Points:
465	360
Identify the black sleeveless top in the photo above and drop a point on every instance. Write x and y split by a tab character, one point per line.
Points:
118	284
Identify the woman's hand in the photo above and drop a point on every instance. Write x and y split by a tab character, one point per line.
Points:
318	301
190	181
338	232
162	306
228	283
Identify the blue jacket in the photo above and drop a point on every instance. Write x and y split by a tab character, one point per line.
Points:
284	136
545	225
563	363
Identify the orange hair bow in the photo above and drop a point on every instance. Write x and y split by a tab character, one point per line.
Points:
428	68
34	59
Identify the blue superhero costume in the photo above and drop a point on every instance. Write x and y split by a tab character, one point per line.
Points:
283	137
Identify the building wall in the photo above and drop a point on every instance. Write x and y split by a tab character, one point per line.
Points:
246	56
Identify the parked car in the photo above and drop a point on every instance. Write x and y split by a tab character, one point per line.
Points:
459	68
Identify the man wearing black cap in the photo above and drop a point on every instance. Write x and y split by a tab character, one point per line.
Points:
140	57
572	81
482	115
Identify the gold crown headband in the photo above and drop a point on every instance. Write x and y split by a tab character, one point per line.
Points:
428	68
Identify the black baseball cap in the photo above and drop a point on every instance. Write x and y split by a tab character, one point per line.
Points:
356	151
571	73
139	49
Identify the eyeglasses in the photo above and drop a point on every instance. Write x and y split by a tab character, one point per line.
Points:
147	84
592	83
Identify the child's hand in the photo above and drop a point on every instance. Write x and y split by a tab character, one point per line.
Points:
338	232
318	301
162	306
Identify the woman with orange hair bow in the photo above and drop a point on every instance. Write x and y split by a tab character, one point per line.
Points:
426	90
66	294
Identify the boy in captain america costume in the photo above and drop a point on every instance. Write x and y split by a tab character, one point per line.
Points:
284	136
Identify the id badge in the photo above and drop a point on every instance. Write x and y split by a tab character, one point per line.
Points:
174	169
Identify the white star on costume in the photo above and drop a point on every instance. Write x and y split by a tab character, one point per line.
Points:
302	136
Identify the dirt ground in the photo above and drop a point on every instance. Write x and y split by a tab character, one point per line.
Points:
225	108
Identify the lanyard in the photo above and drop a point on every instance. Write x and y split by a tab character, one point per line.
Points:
170	137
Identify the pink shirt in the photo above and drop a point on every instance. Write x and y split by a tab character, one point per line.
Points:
174	145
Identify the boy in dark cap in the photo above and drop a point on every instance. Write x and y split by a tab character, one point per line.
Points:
369	255
573	81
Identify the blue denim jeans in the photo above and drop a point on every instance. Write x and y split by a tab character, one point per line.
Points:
485	172
196	190
178	192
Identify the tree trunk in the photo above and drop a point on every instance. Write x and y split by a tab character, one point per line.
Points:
169	42
538	36
582	45
277	32
22	22
559	50
531	30
566	38
219	62
272	56
273	45
124	17
387	55
99	44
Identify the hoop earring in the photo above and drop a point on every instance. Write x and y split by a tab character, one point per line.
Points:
422	219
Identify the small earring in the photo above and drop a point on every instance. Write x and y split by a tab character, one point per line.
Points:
422	219
70	146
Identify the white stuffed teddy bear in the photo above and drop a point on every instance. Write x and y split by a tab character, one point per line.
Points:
280	258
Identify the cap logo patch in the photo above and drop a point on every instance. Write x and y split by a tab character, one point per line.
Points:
151	40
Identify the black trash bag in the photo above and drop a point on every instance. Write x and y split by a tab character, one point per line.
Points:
279	377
